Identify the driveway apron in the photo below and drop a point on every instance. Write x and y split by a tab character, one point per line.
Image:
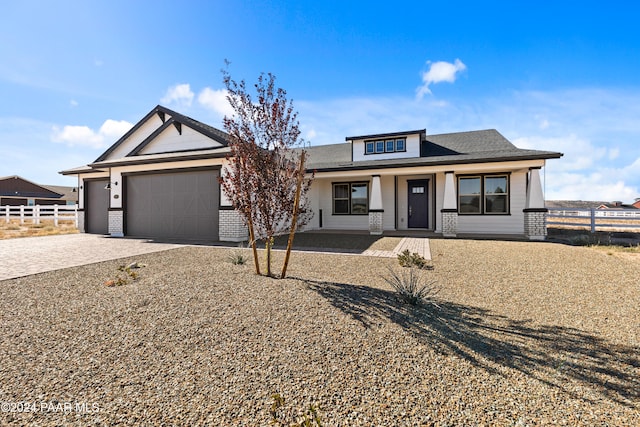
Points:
31	255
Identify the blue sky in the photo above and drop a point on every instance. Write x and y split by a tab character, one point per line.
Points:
562	76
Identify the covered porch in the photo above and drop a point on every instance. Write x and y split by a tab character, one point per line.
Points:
430	201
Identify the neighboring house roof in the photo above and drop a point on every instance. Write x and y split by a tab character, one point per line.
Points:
572	204
16	186
450	148
616	205
68	193
586	204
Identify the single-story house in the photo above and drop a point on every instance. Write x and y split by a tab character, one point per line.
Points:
586	204
160	180
16	191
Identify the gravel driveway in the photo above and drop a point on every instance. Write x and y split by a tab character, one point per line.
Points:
522	334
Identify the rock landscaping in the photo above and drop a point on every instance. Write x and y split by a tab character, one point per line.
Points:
519	334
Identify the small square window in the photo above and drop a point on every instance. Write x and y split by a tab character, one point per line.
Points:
400	145
379	146
389	146
369	147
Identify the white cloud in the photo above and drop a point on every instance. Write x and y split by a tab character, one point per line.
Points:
109	132
73	103
577	186
438	72
179	94
114	129
579	153
215	101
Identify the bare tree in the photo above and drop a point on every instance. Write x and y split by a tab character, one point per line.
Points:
264	178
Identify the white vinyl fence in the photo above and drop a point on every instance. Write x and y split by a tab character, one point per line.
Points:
595	219
40	212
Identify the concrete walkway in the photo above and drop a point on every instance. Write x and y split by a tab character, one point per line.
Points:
418	245
30	255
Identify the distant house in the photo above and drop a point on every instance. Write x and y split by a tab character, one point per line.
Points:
618	205
16	191
585	204
160	180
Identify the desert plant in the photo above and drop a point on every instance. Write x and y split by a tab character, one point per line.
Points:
129	274
411	286
308	418
237	257
408	259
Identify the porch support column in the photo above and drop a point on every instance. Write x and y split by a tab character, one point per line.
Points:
449	206
375	206
535	213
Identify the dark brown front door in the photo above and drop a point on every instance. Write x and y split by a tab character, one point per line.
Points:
418	203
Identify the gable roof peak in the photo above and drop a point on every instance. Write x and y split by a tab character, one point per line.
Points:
215	134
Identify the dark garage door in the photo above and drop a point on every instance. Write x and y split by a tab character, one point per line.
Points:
97	207
180	205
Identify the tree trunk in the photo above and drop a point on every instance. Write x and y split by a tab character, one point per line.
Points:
252	238
268	245
294	219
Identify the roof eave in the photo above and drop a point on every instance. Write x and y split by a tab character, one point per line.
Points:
141	160
381	135
355	166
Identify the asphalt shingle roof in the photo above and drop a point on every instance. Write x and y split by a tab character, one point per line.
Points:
450	148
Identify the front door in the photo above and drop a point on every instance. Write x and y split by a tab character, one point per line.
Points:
418	203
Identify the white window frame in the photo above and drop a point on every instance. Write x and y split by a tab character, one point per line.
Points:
380	146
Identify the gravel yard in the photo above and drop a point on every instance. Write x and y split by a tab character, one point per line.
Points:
522	334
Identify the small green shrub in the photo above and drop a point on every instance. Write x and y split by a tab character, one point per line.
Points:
408	259
237	257
308	418
411	286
